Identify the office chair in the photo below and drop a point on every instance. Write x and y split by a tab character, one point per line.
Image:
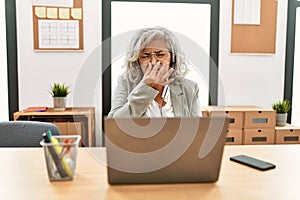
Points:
24	133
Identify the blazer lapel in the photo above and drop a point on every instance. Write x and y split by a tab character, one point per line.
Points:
177	98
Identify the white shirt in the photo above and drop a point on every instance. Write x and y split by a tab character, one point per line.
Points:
155	110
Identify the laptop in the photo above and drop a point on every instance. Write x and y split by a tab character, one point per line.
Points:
164	150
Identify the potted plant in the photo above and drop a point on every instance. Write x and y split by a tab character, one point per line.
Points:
59	93
281	108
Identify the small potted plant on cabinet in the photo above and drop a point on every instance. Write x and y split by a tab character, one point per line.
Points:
281	108
59	93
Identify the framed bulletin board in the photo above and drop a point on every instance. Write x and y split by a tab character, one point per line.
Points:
57	24
256	38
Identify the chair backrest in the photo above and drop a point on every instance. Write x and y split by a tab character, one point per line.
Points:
24	133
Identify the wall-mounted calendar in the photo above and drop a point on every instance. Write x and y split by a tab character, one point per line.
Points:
57	24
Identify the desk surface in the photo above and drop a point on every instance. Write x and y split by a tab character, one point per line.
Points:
24	176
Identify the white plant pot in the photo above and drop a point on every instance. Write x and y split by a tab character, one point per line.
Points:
59	103
281	119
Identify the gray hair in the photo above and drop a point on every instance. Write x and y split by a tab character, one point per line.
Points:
140	41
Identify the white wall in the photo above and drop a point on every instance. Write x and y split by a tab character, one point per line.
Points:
251	79
4	116
37	70
296	79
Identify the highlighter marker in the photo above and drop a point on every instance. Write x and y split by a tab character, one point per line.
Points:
58	150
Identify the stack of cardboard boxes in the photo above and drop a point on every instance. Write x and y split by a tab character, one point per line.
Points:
259	126
249	124
235	127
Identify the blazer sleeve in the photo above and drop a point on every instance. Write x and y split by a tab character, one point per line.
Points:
195	110
191	104
128	100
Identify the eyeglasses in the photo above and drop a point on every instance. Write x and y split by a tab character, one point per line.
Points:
159	55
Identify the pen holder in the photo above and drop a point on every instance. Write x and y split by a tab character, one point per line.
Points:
60	156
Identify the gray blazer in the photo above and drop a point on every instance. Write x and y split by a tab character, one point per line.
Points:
132	99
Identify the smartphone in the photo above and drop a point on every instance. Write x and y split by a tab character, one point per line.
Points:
253	162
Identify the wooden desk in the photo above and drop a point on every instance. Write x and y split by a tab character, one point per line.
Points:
85	115
24	176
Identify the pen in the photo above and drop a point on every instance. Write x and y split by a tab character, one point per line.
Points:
65	149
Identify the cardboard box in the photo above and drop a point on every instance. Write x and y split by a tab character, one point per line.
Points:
204	112
234	137
288	134
74	128
260	118
71	128
259	136
236	115
62	126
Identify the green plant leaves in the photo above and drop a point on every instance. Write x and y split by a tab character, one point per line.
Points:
59	90
282	106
